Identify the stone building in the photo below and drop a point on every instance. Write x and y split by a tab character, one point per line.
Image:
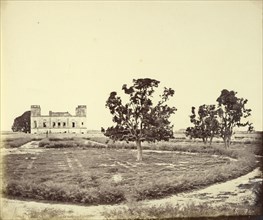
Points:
58	122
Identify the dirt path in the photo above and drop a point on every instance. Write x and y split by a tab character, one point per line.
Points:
28	148
230	192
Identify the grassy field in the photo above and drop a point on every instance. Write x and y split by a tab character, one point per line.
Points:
73	169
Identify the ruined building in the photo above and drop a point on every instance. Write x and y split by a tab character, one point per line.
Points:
58	122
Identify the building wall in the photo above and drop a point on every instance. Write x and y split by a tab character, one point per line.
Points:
57	124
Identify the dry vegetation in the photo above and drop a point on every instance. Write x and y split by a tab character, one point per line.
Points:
74	169
169	211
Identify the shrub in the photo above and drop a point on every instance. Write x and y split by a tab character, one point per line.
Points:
16	142
69	142
60	143
61	139
50	191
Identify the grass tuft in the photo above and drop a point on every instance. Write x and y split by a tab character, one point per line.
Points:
169	211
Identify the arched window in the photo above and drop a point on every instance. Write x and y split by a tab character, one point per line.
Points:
73	124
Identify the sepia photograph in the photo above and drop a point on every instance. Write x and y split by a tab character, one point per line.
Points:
131	109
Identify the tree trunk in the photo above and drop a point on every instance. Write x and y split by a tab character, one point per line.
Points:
228	141
225	142
210	142
139	150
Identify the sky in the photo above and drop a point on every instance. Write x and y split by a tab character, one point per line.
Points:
60	54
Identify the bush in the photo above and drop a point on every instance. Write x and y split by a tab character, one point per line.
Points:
60	143
50	191
61	139
16	142
69	142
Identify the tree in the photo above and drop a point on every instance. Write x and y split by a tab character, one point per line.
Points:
231	111
206	124
139	119
22	123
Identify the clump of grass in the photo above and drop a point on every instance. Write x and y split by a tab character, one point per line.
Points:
61	139
46	214
169	211
193	148
69	143
16	142
100	139
121	145
51	214
105	194
61	142
258	191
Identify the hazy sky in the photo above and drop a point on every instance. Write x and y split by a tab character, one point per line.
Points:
59	54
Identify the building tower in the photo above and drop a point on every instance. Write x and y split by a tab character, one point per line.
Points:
35	114
35	111
81	111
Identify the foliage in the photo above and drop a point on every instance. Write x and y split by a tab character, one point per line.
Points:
140	120
220	120
231	111
22	123
206	124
